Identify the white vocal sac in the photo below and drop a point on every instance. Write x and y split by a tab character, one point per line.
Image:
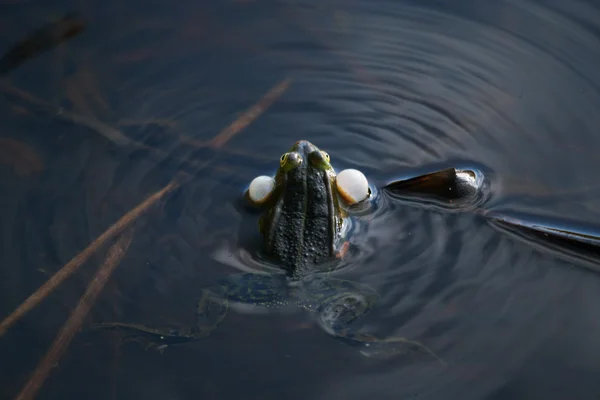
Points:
260	188
352	185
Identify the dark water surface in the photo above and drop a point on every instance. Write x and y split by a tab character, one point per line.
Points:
393	88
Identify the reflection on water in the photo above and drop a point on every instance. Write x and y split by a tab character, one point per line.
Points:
388	87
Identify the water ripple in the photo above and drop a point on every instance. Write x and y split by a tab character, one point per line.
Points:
385	86
503	85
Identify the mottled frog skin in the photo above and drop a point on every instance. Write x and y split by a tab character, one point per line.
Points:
303	220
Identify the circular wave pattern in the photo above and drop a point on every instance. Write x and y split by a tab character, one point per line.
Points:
383	86
399	86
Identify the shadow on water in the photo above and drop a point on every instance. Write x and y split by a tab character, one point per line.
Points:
95	123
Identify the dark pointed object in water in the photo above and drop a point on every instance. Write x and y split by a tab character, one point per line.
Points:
466	189
554	235
43	39
448	188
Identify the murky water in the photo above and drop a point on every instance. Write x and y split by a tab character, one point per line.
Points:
393	88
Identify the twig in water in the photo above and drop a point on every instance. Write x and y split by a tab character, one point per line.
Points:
131	216
115	254
82	257
70	328
58	112
251	114
109	132
43	39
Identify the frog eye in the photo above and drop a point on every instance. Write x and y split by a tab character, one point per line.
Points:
283	159
325	155
290	160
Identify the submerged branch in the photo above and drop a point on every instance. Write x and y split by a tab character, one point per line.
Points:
251	114
39	295
41	40
70	328
128	218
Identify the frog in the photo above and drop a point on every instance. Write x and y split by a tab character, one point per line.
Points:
305	214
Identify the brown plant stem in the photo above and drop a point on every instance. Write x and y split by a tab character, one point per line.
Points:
82	257
70	328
